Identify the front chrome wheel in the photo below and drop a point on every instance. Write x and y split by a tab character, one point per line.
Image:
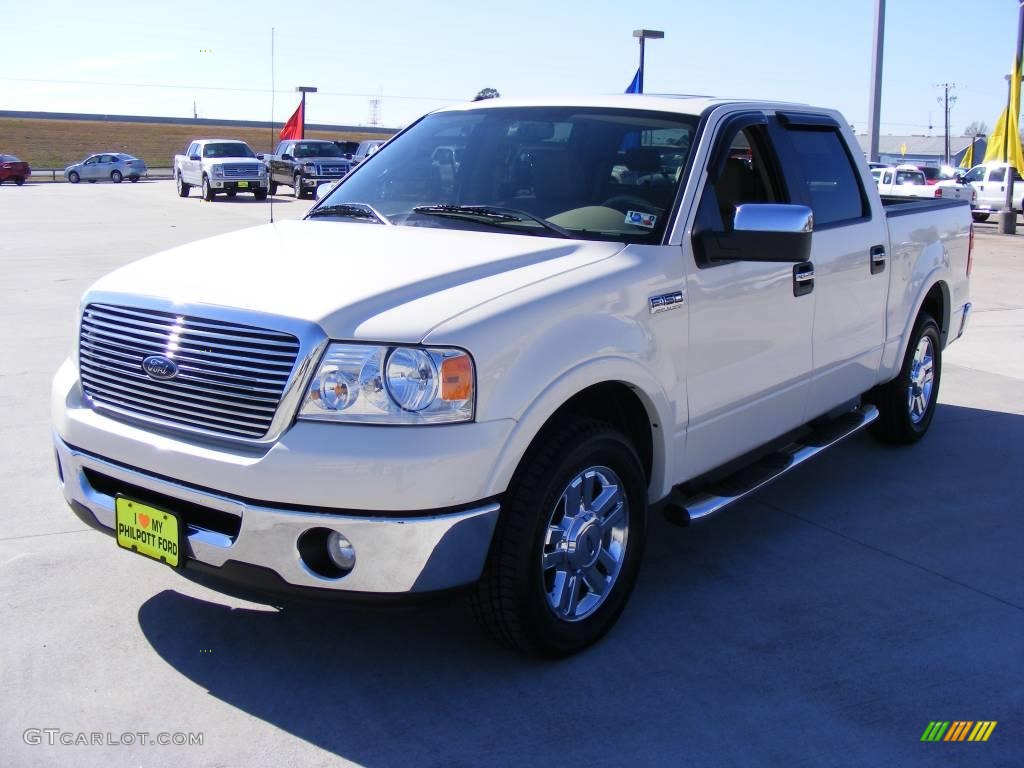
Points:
585	543
922	379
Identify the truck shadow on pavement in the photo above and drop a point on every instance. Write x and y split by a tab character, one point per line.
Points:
859	597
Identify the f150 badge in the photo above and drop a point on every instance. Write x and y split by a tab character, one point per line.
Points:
665	302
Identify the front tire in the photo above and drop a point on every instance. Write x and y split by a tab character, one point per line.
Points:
979	217
906	405
260	194
208	192
297	187
19	180
116	177
73	177
568	544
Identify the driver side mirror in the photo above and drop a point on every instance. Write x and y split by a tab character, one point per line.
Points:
287	156
768	232
194	157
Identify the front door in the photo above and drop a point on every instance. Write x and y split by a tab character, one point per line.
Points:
749	359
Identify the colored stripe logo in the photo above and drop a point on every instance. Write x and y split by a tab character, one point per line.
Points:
959	730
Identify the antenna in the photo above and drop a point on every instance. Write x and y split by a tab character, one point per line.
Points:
270	178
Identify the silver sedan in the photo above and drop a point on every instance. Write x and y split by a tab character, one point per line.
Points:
115	166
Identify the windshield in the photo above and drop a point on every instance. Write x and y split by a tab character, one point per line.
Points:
608	174
228	149
316	149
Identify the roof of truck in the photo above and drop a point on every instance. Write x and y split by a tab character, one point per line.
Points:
659	102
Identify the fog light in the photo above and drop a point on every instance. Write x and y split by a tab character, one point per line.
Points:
341	551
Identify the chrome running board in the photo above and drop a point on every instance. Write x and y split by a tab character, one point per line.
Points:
754	476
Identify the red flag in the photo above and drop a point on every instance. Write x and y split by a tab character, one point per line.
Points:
293	128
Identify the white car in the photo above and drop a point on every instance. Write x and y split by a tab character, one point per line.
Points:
487	382
220	166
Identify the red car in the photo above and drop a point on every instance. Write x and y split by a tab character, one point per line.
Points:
13	168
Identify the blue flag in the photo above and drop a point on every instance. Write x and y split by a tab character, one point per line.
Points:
634	87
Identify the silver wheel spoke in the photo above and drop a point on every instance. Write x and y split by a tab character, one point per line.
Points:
605	503
573	499
596	580
568	594
614	519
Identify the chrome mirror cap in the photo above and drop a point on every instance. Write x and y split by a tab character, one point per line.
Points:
774	217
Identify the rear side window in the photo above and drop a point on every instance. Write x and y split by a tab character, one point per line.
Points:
833	184
998	174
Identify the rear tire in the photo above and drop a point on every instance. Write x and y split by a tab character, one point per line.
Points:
979	217
19	180
273	187
116	177
563	562
208	193
183	188
906	404
133	179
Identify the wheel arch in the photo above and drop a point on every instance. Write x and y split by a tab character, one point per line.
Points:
627	399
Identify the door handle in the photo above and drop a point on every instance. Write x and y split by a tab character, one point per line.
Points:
803	278
877	259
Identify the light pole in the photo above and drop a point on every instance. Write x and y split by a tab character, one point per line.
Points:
645	34
875	106
1008	216
304	89
949	101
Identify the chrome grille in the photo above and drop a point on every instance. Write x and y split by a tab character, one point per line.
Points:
333	169
230	379
240	170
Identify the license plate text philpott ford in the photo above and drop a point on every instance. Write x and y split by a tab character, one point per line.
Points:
149	531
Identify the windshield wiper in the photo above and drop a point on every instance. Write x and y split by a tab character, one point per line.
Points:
350	210
491	213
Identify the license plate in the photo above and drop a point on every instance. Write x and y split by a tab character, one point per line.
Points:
243	184
147	530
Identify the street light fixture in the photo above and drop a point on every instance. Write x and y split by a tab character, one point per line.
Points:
644	35
304	89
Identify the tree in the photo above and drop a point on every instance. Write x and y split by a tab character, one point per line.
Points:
977	128
486	93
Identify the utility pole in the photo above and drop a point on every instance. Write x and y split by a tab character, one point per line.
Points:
875	105
1008	216
948	102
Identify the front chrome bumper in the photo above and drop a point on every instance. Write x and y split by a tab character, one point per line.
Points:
394	555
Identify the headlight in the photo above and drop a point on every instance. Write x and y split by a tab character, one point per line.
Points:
218	170
391	385
309	167
262	170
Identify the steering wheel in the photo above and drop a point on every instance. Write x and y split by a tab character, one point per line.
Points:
630	203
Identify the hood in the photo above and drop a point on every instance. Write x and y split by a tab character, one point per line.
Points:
358	281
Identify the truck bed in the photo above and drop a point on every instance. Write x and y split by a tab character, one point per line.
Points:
902	206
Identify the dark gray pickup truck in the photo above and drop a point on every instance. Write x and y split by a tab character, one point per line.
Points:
304	164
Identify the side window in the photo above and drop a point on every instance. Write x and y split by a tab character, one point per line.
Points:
997	175
91	160
888	177
748	176
833	185
976	174
191	150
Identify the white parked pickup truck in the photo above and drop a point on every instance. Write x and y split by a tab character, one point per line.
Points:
910	181
488	378
990	182
220	166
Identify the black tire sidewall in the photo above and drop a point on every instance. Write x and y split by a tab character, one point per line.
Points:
552	636
73	177
116	177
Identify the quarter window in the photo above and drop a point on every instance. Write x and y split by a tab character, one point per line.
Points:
832	183
997	174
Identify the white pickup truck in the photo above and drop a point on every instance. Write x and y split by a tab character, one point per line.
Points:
220	166
989	180
487	379
910	181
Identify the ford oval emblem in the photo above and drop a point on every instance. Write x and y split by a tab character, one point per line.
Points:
160	367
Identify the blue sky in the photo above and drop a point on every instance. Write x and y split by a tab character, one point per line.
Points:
420	55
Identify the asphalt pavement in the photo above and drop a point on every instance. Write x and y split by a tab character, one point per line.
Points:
824	622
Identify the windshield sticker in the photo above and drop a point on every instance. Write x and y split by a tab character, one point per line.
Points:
640	219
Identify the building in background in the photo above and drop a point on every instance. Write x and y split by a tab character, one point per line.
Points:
923	150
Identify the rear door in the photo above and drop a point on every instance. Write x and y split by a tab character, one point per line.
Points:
850	257
749	358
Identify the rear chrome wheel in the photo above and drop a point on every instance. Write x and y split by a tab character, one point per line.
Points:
922	379
116	177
